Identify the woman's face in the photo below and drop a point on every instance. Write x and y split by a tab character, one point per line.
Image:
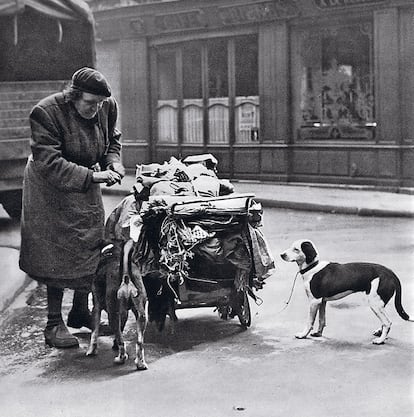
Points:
88	105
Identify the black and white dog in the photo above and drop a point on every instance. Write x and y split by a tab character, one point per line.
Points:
327	281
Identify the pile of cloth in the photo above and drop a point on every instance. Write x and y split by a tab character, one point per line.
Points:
192	227
193	176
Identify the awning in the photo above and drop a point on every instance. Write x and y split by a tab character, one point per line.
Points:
59	9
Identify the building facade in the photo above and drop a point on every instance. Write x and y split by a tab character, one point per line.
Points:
301	91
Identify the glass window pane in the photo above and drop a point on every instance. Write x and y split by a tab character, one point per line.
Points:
218	120
167	85
217	68
218	91
337	91
246	66
193	120
167	106
192	71
247	119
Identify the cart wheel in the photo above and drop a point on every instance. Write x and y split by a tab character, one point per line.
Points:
243	310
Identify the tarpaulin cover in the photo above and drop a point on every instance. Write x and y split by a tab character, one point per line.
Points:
59	9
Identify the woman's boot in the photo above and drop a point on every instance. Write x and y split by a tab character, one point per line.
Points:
56	333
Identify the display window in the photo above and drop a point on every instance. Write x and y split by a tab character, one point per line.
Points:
334	83
207	91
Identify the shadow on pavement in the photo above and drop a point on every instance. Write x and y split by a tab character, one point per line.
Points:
22	342
202	333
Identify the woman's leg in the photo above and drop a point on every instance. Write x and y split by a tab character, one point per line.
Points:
80	316
54	306
56	333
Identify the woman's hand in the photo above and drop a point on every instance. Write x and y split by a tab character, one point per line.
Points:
119	168
109	177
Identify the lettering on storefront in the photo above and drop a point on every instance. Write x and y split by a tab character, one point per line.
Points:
257	12
179	21
328	4
247	117
212	16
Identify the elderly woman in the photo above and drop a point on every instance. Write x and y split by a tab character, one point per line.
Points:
75	147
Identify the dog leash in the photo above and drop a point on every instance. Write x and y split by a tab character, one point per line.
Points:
290	295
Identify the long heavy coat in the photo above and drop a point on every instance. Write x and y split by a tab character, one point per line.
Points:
63	217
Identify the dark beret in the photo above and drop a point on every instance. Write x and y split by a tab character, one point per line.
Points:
91	81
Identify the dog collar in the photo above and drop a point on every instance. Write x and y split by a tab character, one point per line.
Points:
309	267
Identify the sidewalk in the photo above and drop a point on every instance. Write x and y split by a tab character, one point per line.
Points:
14	281
330	199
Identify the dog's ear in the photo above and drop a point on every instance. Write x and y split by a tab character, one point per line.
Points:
309	251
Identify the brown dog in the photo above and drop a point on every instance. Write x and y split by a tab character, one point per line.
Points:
118	288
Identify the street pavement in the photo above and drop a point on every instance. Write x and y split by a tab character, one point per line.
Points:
360	201
211	367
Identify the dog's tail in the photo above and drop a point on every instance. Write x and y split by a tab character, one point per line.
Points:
397	300
126	259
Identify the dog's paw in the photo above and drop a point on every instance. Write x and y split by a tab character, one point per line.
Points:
377	333
141	365
92	350
121	359
381	335
316	334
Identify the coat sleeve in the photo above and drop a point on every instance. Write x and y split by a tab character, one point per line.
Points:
46	145
113	153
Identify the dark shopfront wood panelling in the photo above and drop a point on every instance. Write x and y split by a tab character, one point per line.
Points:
267	163
407	167
353	164
388	163
274	160
246	161
333	163
363	163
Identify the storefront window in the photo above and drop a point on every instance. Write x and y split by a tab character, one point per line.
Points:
336	84
197	107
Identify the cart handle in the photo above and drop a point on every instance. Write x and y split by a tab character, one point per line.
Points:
211	199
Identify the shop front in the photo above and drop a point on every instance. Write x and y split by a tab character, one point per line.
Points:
300	91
